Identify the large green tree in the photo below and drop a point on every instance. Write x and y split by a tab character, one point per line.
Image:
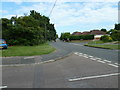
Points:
33	29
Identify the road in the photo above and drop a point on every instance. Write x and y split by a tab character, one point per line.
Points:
84	68
64	73
64	48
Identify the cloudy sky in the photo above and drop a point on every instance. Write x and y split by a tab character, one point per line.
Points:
67	15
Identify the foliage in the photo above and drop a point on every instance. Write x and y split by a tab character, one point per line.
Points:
31	30
81	37
115	34
104	30
117	26
106	38
65	36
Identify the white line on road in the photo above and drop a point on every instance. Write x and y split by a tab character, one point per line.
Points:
116	63
113	65
93	59
92	77
29	57
77	44
75	52
90	56
107	61
100	61
3	87
85	56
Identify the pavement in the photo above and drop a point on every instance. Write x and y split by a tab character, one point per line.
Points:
75	71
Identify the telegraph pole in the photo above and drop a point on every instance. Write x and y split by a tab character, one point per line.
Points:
45	32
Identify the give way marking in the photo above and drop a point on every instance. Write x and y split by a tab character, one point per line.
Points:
3	87
92	77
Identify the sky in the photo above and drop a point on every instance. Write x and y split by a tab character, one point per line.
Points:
67	15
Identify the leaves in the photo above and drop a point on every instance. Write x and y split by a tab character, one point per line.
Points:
28	30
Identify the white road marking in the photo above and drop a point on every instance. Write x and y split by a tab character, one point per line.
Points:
100	61
75	52
80	53
93	59
3	87
93	77
85	56
77	44
29	57
90	56
99	58
113	65
107	61
116	63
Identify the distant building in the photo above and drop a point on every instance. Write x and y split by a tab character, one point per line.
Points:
86	33
77	33
97	33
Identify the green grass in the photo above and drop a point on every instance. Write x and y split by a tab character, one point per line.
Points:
107	46
27	50
79	41
96	42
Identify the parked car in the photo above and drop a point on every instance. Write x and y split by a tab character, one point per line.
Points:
3	44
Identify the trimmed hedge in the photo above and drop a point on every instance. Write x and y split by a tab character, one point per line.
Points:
81	37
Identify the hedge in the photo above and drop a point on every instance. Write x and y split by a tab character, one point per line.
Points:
81	37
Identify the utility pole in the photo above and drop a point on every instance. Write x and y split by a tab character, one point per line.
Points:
45	32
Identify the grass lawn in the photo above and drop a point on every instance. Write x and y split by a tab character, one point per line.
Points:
79	41
96	42
107	46
27	50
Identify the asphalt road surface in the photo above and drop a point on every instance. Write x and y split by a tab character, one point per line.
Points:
75	71
86	68
64	48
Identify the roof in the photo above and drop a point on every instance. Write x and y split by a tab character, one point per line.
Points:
77	33
97	32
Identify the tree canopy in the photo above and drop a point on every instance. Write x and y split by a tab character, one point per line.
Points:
32	29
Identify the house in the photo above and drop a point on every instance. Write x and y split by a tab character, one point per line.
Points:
86	33
97	34
77	33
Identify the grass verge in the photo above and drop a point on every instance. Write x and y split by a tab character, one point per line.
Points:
106	46
80	41
96	42
27	50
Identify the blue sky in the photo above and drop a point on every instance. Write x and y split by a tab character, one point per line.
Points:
68	16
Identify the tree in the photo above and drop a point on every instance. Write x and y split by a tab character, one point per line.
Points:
104	30
117	26
65	36
28	29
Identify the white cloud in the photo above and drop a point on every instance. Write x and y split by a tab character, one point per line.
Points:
60	0
67	14
85	15
3	11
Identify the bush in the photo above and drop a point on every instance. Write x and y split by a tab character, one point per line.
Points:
106	38
81	37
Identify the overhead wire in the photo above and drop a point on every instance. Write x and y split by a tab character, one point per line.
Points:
52	8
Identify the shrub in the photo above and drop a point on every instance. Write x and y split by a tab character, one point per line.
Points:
81	37
106	38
